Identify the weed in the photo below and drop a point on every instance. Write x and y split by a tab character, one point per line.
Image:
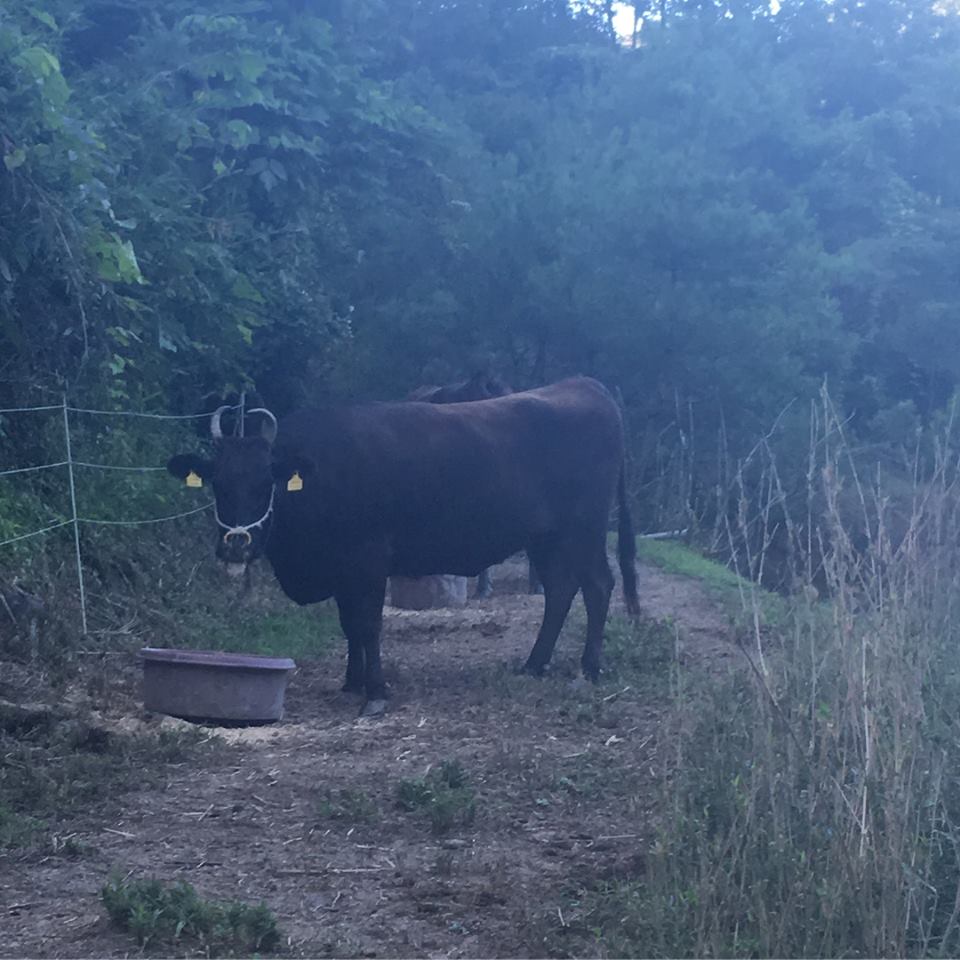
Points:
16	829
68	846
413	795
452	774
639	651
445	795
156	913
346	804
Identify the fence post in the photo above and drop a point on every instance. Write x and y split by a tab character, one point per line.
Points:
75	518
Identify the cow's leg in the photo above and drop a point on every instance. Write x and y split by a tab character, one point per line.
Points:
361	616
596	581
354	682
559	589
484	585
534	586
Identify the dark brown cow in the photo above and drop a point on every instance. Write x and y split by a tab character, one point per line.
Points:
481	386
341	499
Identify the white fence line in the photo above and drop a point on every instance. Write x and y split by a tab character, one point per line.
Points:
56	406
42	466
75	520
137	523
36	533
135	413
112	466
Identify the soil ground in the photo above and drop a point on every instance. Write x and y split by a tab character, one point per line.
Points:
303	815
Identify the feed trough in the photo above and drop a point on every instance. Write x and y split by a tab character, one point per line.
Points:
213	687
427	593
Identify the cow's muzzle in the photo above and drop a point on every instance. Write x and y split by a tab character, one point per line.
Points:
238	532
237	542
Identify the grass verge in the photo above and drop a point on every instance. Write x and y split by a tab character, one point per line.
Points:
811	804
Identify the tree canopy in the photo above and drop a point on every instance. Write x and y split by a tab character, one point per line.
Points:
344	200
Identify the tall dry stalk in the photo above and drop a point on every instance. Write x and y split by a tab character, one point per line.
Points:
817	810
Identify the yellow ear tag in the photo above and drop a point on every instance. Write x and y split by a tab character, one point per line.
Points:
193	480
295	483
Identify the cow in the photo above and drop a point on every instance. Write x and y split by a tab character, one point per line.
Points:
338	500
480	386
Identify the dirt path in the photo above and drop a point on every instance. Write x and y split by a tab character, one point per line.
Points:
304	815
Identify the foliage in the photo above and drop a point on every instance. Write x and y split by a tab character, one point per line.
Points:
156	913
347	200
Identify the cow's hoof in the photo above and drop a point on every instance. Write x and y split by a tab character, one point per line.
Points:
531	670
351	686
579	684
483	595
373	708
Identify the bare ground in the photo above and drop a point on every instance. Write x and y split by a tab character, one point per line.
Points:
304	816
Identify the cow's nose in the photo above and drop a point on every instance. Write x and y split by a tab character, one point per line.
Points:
230	535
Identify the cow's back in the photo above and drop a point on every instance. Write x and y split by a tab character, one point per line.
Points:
456	487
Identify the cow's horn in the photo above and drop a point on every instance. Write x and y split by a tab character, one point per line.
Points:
215	429
269	426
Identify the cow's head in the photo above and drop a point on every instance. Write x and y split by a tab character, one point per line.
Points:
247	480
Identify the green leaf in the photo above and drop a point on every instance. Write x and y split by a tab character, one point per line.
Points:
243	289
251	65
165	342
117	260
15	159
39	61
240	133
44	17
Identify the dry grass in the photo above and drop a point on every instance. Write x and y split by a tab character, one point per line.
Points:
814	807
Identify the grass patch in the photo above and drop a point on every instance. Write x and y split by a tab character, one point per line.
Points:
639	651
728	588
157	913
444	795
16	829
346	804
672	556
51	768
291	632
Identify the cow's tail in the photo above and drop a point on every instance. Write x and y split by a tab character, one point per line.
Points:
627	547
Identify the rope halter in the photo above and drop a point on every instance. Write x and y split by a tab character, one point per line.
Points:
243	530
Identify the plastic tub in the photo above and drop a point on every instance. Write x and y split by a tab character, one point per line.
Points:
210	686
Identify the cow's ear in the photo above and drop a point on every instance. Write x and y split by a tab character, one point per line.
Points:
190	468
293	471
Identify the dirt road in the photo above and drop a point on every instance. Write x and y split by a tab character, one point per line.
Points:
305	815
